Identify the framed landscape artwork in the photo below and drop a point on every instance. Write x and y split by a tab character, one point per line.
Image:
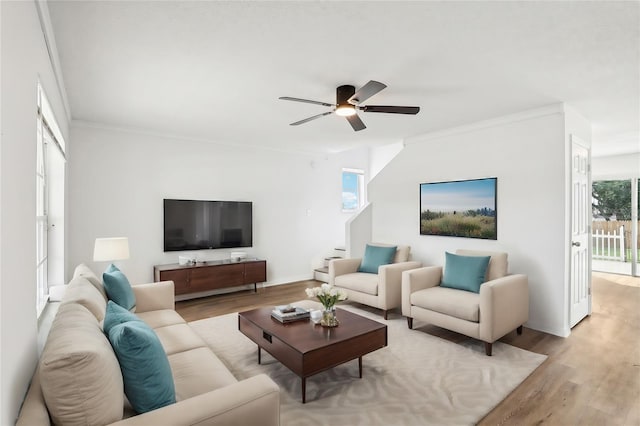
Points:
466	208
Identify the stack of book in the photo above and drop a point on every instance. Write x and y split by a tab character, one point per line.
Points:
288	313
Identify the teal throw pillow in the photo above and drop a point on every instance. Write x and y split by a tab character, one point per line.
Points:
118	289
116	314
112	268
465	272
146	373
376	256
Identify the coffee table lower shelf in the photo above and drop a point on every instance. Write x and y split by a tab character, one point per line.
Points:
307	349
303	379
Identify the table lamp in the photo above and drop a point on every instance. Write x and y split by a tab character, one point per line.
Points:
110	249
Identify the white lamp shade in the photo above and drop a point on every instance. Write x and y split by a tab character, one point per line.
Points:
108	249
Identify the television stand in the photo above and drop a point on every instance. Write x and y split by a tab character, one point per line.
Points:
212	275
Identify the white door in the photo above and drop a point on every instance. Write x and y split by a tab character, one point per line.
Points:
580	292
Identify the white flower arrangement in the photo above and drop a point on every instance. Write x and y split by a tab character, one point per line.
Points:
327	294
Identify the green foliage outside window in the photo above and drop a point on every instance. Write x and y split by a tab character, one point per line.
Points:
612	197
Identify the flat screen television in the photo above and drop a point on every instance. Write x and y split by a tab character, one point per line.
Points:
199	225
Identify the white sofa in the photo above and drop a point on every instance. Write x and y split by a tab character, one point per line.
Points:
78	379
501	306
381	290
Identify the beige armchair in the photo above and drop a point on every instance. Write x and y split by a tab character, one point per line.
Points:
381	290
501	306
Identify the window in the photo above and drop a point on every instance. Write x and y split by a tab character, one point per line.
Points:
41	221
352	189
50	176
615	238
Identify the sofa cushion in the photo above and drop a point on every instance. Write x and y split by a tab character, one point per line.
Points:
118	288
455	303
179	338
116	314
80	290
161	318
148	382
198	371
376	256
465	272
402	254
79	373
83	270
358	281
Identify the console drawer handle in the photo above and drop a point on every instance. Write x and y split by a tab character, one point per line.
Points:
266	336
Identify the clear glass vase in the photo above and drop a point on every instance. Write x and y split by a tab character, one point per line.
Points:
329	318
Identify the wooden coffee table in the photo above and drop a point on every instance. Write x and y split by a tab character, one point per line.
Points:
308	349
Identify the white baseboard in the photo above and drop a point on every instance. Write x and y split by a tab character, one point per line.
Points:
288	280
562	332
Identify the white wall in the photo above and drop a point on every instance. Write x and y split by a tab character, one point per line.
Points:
24	60
380	156
616	167
358	232
119	178
526	152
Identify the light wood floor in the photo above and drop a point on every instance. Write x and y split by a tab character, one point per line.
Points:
590	378
618	279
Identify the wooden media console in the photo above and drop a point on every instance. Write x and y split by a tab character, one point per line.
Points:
212	275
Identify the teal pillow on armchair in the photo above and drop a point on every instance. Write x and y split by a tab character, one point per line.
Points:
465	272
376	256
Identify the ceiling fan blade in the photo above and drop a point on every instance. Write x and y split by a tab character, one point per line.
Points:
288	98
355	122
311	118
390	109
366	91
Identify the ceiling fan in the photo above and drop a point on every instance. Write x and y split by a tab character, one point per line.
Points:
349	101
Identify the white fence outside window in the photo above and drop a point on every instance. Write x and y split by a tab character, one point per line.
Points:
609	245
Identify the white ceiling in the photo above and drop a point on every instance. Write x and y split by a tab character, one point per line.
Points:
214	70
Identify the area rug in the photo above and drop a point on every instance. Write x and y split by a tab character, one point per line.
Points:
418	379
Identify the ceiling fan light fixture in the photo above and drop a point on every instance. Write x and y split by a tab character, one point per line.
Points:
345	110
348	103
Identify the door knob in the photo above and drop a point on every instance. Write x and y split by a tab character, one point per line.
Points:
576	243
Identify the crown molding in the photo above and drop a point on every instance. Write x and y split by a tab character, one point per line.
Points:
553	109
84	124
